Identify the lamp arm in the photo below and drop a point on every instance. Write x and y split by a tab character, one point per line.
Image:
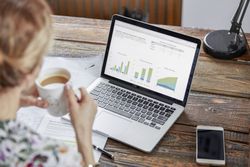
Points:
244	11
236	26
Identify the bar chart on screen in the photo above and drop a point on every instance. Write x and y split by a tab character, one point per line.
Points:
122	68
145	74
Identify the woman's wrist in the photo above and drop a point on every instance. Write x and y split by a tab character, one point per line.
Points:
84	142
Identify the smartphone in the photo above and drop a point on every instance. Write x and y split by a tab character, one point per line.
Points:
210	147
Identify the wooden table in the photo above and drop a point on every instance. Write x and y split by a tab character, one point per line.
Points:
220	96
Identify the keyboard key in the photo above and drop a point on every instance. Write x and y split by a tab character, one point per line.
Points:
118	97
151	109
128	105
157	127
137	113
134	103
124	99
108	94
121	108
140	105
135	99
120	112
100	100
166	106
149	118
141	120
140	101
135	118
146	123
117	105
95	93
113	95
129	101
132	111
124	95
143	115
149	113
102	105
155	115
122	103
168	115
162	113
152	124
151	104
103	91
156	111
105	101
162	108
150	100
156	106
172	108
138	109
162	118
130	97
127	109
132	107
158	121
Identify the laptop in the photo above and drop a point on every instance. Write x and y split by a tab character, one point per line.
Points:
145	82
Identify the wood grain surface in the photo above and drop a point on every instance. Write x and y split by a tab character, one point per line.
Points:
220	96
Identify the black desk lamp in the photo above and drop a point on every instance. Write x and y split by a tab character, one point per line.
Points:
224	44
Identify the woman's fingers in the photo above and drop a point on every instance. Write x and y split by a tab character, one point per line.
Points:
71	98
33	101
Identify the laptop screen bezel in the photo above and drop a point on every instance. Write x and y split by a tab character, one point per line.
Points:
140	89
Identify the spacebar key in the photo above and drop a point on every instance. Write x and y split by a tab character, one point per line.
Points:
120	112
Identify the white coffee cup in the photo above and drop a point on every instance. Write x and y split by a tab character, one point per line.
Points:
50	85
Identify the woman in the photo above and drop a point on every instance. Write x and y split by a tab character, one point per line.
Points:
25	32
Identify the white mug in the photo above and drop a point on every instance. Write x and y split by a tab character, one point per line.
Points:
50	85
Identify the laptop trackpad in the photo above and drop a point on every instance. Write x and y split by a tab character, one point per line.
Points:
111	124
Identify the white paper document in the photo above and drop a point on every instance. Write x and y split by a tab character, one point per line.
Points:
62	130
31	116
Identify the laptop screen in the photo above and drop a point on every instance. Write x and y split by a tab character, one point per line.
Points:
149	59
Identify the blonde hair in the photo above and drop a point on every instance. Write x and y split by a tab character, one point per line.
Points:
25	32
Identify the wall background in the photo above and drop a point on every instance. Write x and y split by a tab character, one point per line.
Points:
212	14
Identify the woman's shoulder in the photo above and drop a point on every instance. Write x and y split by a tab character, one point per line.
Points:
21	146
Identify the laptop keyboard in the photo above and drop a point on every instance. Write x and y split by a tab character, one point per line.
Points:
130	105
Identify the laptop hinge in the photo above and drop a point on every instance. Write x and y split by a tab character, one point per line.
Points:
139	90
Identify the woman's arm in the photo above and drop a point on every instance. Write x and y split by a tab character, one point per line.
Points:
82	114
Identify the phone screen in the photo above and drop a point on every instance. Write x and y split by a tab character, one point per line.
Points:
210	144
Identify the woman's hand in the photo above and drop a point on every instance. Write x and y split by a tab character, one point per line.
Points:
31	98
82	113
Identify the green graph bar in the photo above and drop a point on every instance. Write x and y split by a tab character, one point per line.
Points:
143	72
136	75
127	68
150	72
121	67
